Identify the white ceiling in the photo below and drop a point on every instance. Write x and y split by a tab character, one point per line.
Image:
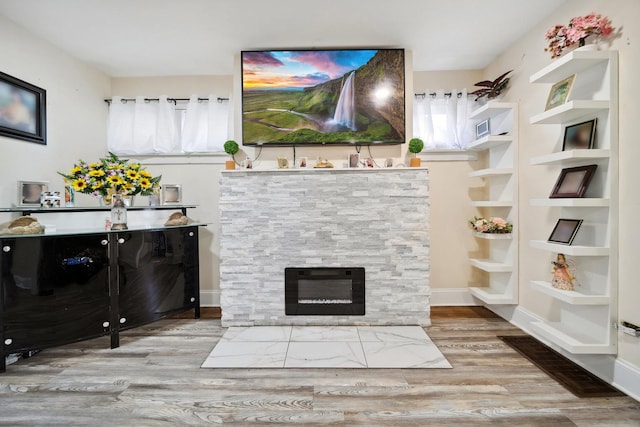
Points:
195	37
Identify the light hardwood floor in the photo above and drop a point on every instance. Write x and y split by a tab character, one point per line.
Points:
154	379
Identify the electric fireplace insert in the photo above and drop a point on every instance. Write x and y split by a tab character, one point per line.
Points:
324	291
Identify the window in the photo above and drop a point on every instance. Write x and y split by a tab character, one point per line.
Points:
441	119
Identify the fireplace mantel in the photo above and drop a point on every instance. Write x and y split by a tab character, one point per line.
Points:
324	170
372	218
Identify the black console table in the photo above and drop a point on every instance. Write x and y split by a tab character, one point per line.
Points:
62	287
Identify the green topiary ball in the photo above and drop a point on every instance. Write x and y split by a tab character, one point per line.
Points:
416	145
231	147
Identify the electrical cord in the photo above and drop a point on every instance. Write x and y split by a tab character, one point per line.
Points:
259	153
372	158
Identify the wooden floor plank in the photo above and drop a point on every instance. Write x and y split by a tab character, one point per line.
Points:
155	379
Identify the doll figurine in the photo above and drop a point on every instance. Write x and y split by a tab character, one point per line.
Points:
562	277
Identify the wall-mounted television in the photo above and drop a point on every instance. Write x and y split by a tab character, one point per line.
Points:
333	97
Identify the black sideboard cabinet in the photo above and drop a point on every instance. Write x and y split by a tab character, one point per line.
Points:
58	289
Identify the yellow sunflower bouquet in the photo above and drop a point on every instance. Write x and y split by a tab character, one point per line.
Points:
112	175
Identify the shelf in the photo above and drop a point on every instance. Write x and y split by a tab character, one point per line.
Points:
570	297
491	266
28	210
79	231
571	63
491	296
572	203
494	236
489	141
490	172
583	318
570	249
577	345
571	156
491	108
492	204
570	111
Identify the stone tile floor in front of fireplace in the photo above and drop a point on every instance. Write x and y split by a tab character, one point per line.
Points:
326	347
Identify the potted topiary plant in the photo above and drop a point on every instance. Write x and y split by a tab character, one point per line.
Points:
231	148
415	146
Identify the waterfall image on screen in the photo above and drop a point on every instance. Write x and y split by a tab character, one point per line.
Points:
323	97
345	109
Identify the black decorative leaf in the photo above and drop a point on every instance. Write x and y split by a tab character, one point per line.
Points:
491	89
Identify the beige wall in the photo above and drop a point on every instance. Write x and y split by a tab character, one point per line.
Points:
527	56
76	112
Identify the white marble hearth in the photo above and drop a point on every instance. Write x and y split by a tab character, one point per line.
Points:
326	347
377	219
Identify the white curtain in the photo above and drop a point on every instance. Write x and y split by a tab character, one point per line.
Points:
142	127
206	125
442	120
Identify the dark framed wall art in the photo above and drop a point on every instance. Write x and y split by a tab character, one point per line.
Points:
565	231
573	182
579	136
22	110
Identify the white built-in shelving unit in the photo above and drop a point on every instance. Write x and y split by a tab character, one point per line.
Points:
586	318
500	181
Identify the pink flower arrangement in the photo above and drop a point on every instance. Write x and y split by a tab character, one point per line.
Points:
493	225
561	37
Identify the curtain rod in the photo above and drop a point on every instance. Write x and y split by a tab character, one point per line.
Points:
174	100
433	94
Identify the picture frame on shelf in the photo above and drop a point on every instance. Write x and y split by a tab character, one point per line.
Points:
565	231
23	110
580	136
50	199
573	182
283	163
29	192
560	92
482	129
171	194
354	160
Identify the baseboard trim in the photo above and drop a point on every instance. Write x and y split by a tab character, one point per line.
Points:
452	297
209	298
626	378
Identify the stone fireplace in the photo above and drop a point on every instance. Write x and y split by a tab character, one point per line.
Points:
376	220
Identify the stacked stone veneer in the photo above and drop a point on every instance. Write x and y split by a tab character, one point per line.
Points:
376	219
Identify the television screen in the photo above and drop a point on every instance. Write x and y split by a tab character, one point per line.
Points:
347	96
